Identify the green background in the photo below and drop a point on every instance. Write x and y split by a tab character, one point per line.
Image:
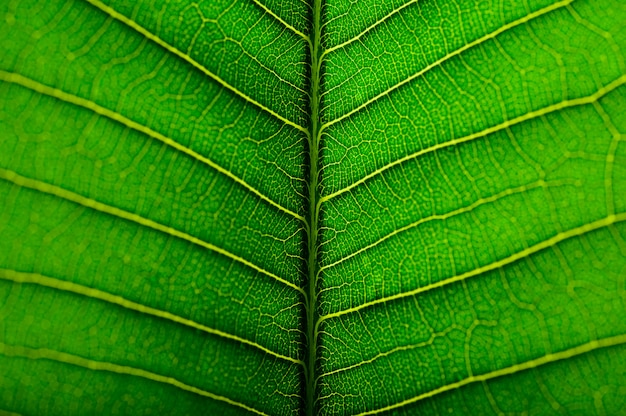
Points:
222	207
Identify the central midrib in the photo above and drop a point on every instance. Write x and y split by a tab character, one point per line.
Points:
311	312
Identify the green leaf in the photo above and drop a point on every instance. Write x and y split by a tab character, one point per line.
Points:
322	207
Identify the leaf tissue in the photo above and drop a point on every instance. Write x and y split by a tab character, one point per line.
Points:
333	207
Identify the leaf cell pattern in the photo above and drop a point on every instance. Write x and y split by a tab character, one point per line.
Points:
325	207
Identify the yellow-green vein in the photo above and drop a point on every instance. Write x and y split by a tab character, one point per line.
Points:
47	188
33	85
392	351
284	23
62	357
63	285
516	368
366	30
550	242
502	126
450	55
444	216
151	36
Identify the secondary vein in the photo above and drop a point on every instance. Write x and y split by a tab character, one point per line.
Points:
36	86
601	223
67	286
568	103
154	38
284	23
450	55
62	193
587	347
71	359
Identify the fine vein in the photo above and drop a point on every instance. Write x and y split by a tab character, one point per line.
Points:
446	215
368	29
536	248
586	100
516	368
71	359
450	55
36	86
284	23
154	38
63	285
49	189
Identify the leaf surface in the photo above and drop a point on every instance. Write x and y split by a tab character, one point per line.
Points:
228	207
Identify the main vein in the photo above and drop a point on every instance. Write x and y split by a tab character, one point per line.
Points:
311	313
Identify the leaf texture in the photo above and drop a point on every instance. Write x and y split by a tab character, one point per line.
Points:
323	207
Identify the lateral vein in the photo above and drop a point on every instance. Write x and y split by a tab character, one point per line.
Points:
444	216
366	30
440	61
71	359
392	351
151	36
504	125
31	84
59	192
284	23
550	242
516	368
63	285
